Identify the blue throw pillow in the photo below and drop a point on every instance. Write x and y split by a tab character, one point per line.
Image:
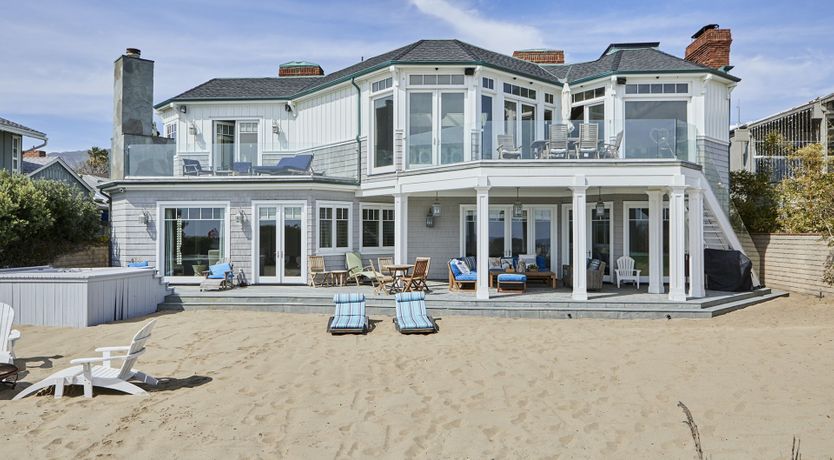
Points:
454	267
142	264
541	262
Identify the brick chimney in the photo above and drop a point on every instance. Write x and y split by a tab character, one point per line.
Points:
710	47
541	56
299	69
31	153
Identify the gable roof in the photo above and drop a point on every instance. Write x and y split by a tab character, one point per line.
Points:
441	52
32	166
17	128
621	58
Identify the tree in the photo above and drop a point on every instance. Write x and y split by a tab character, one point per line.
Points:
755	199
97	162
42	219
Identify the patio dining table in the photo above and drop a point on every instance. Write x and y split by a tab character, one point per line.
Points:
398	272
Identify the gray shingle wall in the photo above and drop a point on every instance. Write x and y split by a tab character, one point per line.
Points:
715	158
337	161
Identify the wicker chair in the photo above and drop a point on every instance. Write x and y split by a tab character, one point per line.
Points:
593	278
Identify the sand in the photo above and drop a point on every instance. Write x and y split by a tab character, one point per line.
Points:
273	385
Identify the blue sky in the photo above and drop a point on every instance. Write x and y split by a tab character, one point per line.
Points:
57	56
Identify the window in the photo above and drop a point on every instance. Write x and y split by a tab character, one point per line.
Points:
442	79
194	238
383	131
234	141
516	90
435	127
656	129
377	227
548	98
488	83
334	226
382	84
589	94
486	127
590	113
658	88
171	130
16	141
510	118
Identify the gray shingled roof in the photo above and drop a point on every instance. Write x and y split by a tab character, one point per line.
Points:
419	52
625	60
26	131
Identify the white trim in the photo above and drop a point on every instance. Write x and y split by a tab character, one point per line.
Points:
566	208
17	156
256	204
334	250
508	217
372	130
160	236
644	277
361	220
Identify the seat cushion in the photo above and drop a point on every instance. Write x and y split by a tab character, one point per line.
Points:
348	322
512	278
471	276
219	270
594	264
142	264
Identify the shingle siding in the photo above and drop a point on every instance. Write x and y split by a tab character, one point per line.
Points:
714	156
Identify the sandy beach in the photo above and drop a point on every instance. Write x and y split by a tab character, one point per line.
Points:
272	385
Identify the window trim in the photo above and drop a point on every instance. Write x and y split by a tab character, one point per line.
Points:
168	130
372	169
333	250
236	121
375	249
637	204
160	227
687	94
17	156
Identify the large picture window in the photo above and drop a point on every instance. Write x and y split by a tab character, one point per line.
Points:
377	227
384	132
194	239
334	226
656	129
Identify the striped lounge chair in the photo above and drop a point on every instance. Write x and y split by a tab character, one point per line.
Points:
349	317
411	314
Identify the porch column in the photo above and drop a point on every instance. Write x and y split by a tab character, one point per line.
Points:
580	243
677	244
655	241
696	243
400	228
482	215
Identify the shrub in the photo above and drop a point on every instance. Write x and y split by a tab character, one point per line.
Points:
755	199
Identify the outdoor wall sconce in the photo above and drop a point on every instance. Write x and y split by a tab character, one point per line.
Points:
435	207
240	217
430	219
192	129
518	208
183	109
145	217
600	206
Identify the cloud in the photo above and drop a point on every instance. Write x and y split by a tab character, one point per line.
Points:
471	26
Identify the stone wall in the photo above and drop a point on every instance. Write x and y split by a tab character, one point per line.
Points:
89	257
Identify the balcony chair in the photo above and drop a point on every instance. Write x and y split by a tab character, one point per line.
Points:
507	150
383	263
625	271
218	277
295	165
316	272
557	145
612	150
242	168
193	168
588	140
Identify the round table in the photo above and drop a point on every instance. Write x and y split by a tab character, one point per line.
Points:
398	271
8	374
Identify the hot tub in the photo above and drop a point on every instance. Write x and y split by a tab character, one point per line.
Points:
79	297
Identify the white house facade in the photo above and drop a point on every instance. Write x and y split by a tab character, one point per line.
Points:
438	149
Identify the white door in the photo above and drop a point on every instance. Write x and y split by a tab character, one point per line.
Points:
280	243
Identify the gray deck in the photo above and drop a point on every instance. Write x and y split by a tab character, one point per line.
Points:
537	302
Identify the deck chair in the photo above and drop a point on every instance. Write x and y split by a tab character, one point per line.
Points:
218	277
383	263
417	280
350	317
193	168
103	376
294	165
411	314
588	140
612	150
383	284
355	268
8	336
242	168
316	271
507	150
557	145
626	272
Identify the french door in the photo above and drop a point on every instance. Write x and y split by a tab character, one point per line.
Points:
280	243
435	127
599	233
530	233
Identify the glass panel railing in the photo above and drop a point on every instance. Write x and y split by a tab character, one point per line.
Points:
335	160
658	138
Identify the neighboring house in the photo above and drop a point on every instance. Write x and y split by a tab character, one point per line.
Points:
11	143
37	165
420	130
769	140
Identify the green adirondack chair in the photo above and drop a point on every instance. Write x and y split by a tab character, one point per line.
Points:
355	268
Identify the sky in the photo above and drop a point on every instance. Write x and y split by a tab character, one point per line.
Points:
57	56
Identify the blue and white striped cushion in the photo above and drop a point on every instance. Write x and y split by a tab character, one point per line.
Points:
348	322
350	311
411	311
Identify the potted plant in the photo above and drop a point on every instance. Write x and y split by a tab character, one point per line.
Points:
532	268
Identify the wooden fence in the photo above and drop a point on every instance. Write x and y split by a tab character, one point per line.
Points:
792	262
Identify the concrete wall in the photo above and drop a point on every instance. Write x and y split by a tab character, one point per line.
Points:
793	262
92	256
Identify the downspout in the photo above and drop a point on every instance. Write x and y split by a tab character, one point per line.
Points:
358	130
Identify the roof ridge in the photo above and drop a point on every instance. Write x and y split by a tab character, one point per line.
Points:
618	57
405	50
466	48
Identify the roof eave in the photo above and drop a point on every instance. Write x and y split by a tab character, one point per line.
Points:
27	132
654	72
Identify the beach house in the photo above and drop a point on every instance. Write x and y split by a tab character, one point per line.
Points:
440	149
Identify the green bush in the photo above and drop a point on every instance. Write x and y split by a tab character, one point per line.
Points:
756	200
42	219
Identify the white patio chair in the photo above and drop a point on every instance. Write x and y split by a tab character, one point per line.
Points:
557	145
588	140
612	150
507	150
8	336
102	376
626	272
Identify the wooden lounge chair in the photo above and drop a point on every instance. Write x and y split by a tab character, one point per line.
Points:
411	314
355	268
218	277
350	317
103	376
316	271
417	280
457	280
294	165
8	336
588	140
557	145
507	150
383	284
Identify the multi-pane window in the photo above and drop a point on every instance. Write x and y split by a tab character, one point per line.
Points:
16	153
442	79
171	130
589	94
334	227
548	98
382	84
516	90
488	83
377	227
194	239
658	88
383	131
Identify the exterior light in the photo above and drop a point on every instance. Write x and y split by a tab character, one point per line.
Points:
276	128
145	217
192	129
600	206
430	219
518	209
435	207
240	217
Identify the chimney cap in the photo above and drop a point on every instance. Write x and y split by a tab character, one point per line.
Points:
704	29
133	52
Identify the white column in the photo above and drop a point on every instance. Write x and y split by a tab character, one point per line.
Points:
580	243
677	278
696	243
400	228
655	241
482	211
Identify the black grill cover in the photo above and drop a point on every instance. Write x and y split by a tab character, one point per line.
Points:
727	270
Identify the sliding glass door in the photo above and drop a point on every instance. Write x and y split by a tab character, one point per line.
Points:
599	234
435	127
280	250
510	236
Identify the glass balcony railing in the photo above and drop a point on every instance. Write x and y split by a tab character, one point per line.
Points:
149	160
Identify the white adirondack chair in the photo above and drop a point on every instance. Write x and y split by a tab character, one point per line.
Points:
8	336
626	272
102	376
